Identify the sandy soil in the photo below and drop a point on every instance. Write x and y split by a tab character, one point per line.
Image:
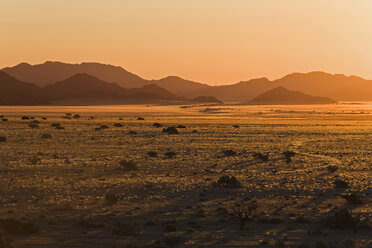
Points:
71	185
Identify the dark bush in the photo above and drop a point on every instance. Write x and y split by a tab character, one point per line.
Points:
341	184
288	156
170	130
103	127
229	153
25	118
342	219
352	198
46	136
152	154
131	132
156	124
228	182
181	126
55	124
118	125
245	214
140	118
260	156
170	228
236	126
76	116
332	168
4	119
33	126
128	165
170	154
2	139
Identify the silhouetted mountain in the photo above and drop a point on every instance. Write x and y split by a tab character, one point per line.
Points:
15	92
52	72
206	99
281	95
339	87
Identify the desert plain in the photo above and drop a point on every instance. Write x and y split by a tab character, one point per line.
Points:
108	176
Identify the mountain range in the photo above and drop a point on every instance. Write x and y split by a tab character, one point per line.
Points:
281	95
52	79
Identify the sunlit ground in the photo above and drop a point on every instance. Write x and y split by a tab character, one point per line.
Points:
71	185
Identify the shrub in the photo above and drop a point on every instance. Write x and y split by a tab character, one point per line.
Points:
11	226
156	124
46	136
4	119
131	132
55	125
170	130
288	156
332	168
140	118
236	126
229	153
181	126
2	138
152	154
228	182
170	154
25	118
76	116
261	156
352	198
245	214
103	127
341	219
33	126
118	125
60	127
128	165
341	184
35	160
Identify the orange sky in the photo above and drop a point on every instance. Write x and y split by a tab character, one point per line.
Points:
213	41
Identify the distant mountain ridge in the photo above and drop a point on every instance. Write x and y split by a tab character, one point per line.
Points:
335	86
84	89
281	95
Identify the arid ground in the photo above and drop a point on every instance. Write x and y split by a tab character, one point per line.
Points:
108	177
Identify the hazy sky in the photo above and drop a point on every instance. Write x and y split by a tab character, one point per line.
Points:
213	41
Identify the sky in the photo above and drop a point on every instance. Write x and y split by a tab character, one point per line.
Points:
210	41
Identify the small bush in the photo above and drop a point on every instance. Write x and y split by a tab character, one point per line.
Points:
118	125
332	168
76	116
170	130
181	126
103	127
228	182
131	132
59	128
35	160
152	154
170	154
260	156
33	126
352	198
156	124
341	184
140	118
342	219
4	119
11	226
236	126
25	118
55	125
2	139
229	153
128	165
245	214
46	136
288	155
